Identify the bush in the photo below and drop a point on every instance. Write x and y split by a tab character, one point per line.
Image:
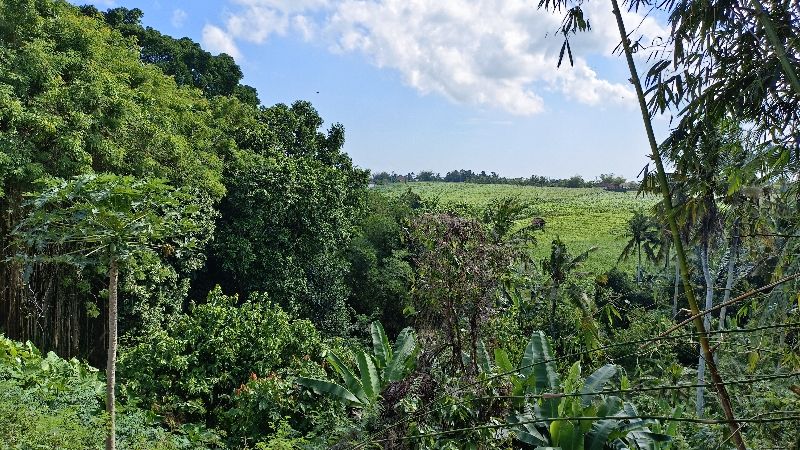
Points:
188	370
49	402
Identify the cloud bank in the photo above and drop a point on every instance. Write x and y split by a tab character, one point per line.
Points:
487	53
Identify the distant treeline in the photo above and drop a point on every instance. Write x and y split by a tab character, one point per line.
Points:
606	180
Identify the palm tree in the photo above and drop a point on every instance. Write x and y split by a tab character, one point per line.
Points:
644	235
558	268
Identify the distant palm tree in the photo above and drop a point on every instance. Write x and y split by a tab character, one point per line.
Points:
644	235
558	267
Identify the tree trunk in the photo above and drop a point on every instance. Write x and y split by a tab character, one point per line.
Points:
111	364
639	265
553	303
722	392
701	362
675	293
733	256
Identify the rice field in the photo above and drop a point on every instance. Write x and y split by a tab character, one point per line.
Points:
581	217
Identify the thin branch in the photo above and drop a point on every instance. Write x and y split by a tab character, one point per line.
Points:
795	416
744	296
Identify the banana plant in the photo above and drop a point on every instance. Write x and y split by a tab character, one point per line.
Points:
543	416
386	364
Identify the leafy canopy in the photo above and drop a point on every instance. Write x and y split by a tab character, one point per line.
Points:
104	217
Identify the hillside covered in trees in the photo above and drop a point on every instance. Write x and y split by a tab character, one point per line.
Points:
185	268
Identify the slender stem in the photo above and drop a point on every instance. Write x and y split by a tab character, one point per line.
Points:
111	362
677	290
780	50
676	240
733	254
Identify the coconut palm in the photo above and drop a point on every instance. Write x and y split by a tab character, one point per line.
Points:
644	235
558	268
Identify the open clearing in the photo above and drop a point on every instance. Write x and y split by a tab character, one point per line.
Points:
582	217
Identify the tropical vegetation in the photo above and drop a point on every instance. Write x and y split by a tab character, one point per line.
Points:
245	287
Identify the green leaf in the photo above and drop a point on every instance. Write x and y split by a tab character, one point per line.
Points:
565	435
526	430
672	428
380	344
595	383
405	352
502	361
646	440
369	375
537	361
323	387
350	380
610	406
531	439
600	432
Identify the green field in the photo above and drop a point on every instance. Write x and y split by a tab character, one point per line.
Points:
581	217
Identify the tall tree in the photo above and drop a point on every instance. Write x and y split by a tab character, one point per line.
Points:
558	267
293	199
735	58
643	234
75	98
106	221
457	267
575	21
181	58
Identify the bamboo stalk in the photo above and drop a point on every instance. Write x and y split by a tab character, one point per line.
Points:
722	392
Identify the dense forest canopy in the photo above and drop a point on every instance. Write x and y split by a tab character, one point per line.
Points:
246	288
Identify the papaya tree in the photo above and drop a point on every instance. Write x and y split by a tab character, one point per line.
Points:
105	221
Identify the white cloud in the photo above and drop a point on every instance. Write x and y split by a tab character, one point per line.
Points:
287	6
489	53
217	40
178	18
304	26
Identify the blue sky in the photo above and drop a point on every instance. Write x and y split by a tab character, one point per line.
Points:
434	84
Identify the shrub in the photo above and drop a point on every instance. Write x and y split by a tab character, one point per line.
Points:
189	369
